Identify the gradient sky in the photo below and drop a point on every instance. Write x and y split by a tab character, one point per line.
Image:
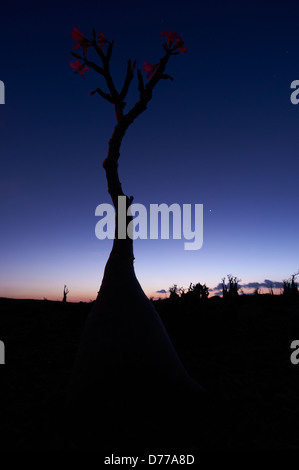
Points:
224	133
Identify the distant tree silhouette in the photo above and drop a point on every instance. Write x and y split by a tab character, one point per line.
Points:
124	339
271	289
290	286
230	290
65	293
175	292
195	292
198	291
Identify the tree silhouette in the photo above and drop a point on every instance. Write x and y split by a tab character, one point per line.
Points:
124	344
290	286
65	293
198	291
175	291
230	290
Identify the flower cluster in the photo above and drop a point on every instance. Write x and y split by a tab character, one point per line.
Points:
150	69
79	68
84	43
175	44
175	41
101	40
80	41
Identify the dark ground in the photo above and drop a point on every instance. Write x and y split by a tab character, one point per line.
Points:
239	350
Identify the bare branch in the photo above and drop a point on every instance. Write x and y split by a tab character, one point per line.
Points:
77	56
109	82
158	74
109	51
100	52
146	93
128	79
93	66
102	94
113	92
165	76
140	82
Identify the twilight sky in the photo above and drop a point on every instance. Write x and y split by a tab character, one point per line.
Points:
224	134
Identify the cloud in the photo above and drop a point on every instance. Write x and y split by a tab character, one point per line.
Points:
267	283
252	285
219	287
217	292
162	291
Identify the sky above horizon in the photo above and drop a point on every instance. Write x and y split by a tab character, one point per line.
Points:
223	134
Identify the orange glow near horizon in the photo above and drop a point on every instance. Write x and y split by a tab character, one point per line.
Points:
83	296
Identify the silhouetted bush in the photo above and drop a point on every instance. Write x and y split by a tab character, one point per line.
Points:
230	290
197	291
290	287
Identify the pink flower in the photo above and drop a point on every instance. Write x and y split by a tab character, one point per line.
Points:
102	40
81	41
180	46
79	68
151	69
175	41
170	36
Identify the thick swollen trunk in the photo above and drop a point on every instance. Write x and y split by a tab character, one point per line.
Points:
125	355
126	360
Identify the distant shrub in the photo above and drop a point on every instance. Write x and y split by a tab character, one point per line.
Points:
194	293
290	286
198	291
174	292
230	289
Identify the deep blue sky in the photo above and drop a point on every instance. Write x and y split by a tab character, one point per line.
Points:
224	133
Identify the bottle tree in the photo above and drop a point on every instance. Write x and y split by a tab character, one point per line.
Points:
126	360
